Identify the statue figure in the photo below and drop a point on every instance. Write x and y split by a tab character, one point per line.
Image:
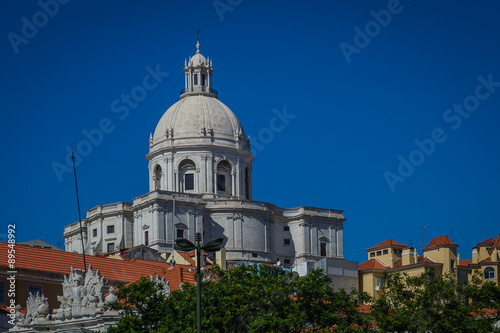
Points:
64	310
78	291
19	317
43	310
165	286
93	284
37	309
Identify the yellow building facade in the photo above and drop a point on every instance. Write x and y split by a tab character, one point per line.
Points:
439	257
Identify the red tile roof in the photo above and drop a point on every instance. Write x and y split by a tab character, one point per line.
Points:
372	264
387	243
497	241
440	241
465	262
424	259
488	242
53	261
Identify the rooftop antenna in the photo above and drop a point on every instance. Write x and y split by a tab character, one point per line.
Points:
411	242
423	235
79	215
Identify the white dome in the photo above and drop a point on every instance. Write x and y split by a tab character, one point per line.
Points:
199	120
197	60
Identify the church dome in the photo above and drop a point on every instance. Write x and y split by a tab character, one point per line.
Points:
197	120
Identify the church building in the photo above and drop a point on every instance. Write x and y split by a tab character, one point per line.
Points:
200	180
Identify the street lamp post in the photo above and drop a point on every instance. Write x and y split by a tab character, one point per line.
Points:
183	244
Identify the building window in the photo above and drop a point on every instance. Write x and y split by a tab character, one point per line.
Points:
287	262
452	264
489	273
254	255
221	183
111	247
380	282
323	249
379	253
110	229
247	183
372	254
146	238
189	182
196	79
2	292
202	79
34	288
286	228
94	233
224	177
429	273
186	171
286	241
180	233
158	177
386	251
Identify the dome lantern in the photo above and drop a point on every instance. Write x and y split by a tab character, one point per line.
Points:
198	75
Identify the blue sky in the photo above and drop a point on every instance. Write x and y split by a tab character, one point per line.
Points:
364	80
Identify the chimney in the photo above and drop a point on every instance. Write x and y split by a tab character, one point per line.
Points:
494	255
407	258
475	255
458	260
391	264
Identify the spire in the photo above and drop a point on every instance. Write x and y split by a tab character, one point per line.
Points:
198	42
198	74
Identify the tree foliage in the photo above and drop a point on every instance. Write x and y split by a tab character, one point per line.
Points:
244	299
441	304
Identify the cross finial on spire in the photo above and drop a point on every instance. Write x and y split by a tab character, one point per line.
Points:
198	41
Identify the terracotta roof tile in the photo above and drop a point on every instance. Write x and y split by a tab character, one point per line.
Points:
54	261
440	241
465	262
424	259
488	242
371	264
497	241
387	243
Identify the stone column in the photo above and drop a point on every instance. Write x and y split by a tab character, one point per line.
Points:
340	243
314	240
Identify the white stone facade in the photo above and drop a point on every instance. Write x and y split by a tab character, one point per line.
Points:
200	180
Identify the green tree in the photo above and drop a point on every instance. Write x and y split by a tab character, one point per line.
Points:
441	304
244	299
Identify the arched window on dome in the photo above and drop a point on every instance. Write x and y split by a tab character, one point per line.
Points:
247	183
157	177
223	180
187	171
